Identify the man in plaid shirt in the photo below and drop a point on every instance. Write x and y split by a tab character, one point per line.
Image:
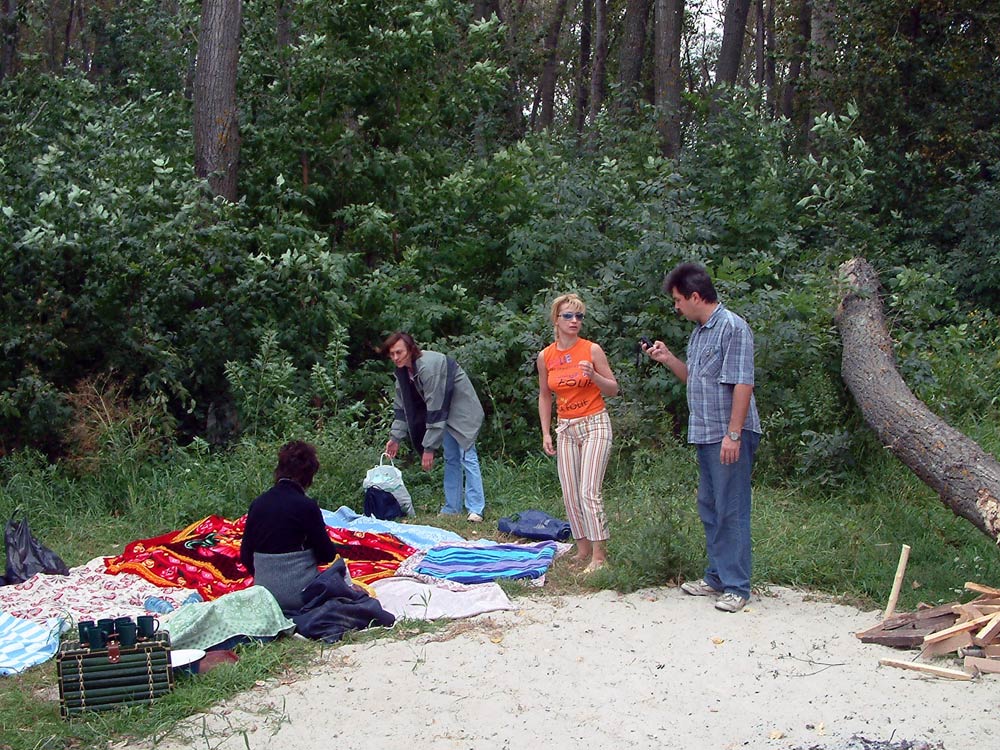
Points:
723	425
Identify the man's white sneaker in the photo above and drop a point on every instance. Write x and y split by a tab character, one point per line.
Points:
730	602
475	518
699	588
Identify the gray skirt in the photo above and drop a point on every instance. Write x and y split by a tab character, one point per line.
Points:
285	575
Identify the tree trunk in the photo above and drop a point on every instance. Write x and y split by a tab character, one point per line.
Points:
216	118
512	16
598	73
769	59
965	477
283	30
483	9
550	68
583	67
633	44
8	38
759	40
68	33
803	15
669	24
823	46
734	29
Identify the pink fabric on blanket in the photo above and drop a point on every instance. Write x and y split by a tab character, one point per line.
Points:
87	593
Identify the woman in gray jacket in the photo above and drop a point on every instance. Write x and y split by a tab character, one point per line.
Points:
436	406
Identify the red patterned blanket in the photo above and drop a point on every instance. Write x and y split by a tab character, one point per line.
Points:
206	556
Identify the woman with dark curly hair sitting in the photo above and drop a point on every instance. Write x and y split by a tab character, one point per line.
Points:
285	537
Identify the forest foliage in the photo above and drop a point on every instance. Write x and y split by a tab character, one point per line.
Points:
395	172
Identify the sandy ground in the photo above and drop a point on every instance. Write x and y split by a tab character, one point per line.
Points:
652	669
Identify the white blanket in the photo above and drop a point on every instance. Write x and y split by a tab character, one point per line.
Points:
408	598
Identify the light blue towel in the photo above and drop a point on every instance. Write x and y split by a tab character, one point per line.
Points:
421	537
24	643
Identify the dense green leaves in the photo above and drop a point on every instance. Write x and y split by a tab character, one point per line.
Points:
382	190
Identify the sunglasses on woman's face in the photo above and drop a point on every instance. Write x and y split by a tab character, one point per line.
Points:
570	316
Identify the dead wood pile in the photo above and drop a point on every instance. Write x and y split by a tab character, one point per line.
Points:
969	631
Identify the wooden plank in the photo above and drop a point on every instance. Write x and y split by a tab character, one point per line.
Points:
905	618
986	601
983	609
989	633
951	674
910	635
981	664
897	582
970	625
948	645
992	651
981	589
968	612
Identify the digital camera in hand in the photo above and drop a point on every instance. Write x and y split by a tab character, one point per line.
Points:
643	342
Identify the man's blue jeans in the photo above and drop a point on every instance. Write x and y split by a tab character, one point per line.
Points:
724	508
456	463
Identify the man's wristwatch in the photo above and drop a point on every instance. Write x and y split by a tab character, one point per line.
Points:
734	436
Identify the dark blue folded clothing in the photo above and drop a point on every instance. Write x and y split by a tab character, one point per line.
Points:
381	504
535	524
333	606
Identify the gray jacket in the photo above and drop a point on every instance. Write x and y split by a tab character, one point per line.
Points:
462	417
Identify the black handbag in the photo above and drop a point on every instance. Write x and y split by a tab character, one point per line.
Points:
27	556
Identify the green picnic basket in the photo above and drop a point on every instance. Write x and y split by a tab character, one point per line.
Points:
108	678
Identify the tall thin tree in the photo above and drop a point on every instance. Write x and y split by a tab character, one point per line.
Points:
216	115
8	37
734	27
483	9
283	30
545	96
823	51
770	76
598	74
668	27
583	66
631	50
798	64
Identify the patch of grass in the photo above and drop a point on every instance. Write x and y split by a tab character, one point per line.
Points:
29	703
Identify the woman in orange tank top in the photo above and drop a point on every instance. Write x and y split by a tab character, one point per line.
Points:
577	372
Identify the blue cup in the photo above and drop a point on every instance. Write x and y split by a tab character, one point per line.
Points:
148	625
127	634
97	638
119	621
83	627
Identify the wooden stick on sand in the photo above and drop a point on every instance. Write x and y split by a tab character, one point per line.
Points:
897	583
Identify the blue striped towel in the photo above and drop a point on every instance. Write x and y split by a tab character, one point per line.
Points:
24	643
466	564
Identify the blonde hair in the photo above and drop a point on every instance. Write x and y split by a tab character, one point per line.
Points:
571	301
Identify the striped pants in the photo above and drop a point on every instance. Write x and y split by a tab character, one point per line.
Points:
583	447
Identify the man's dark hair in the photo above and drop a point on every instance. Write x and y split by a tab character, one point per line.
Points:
688	278
297	461
407	340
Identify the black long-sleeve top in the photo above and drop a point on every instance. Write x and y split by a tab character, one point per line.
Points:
285	519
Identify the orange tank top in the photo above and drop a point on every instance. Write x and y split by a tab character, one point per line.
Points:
576	394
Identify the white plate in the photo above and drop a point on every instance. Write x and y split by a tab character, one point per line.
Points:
184	656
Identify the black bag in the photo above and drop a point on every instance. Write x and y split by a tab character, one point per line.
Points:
381	504
27	556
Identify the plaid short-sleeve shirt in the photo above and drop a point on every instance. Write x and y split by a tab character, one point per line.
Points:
719	356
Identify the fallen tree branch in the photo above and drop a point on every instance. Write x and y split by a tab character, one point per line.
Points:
966	477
